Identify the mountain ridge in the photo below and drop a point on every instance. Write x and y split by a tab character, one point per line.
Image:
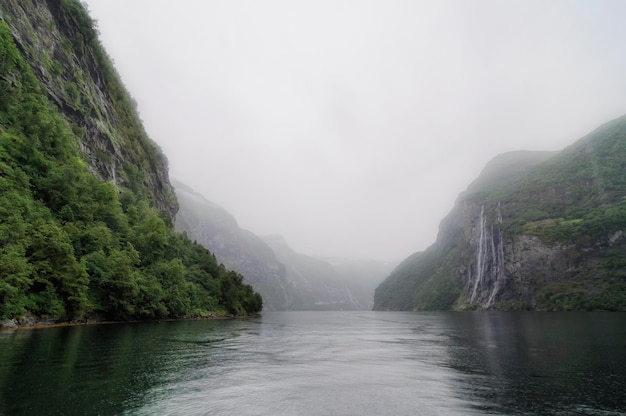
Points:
552	238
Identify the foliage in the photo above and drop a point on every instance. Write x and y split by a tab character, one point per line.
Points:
581	295
580	195
74	246
574	201
99	101
424	281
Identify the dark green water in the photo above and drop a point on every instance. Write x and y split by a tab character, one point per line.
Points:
323	363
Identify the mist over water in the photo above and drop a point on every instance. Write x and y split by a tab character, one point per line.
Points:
323	363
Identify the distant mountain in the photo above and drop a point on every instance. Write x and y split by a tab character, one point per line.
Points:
287	280
238	249
536	230
325	285
361	277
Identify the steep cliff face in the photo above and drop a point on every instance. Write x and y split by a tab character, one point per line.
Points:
84	200
59	40
238	249
534	231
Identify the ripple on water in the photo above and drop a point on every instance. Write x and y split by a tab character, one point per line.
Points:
354	363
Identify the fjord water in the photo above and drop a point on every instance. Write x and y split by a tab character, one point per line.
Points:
323	363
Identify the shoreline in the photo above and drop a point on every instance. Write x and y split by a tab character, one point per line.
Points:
32	322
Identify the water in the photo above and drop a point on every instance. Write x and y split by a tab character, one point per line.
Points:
323	363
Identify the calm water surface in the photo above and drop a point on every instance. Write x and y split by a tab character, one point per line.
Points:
323	363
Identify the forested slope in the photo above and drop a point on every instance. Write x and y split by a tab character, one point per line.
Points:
535	231
76	242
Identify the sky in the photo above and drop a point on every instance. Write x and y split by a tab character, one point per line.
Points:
349	127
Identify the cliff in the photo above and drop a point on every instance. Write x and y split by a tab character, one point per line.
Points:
536	230
59	40
86	208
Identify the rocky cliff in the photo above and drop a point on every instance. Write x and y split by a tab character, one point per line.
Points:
60	42
536	230
86	208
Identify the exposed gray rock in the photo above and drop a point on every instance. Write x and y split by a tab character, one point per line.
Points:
8	324
75	81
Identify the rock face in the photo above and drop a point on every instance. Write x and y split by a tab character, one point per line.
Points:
287	280
535	231
59	41
489	278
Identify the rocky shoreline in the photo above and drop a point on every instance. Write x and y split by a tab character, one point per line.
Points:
30	321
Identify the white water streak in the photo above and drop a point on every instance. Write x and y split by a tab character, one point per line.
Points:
489	260
480	256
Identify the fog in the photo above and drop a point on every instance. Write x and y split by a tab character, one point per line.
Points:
350	127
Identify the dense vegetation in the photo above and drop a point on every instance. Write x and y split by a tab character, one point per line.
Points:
578	198
565	210
424	281
73	246
580	195
144	163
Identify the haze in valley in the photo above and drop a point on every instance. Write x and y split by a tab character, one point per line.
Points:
350	127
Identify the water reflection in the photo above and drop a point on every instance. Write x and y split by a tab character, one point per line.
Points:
101	369
541	363
356	363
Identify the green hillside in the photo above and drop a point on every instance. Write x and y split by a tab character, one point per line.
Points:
579	195
73	246
537	230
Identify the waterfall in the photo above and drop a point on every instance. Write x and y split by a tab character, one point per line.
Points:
489	260
498	256
480	256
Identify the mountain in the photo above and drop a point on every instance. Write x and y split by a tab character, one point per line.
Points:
287	280
86	206
316	284
536	230
362	277
238	249
59	41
